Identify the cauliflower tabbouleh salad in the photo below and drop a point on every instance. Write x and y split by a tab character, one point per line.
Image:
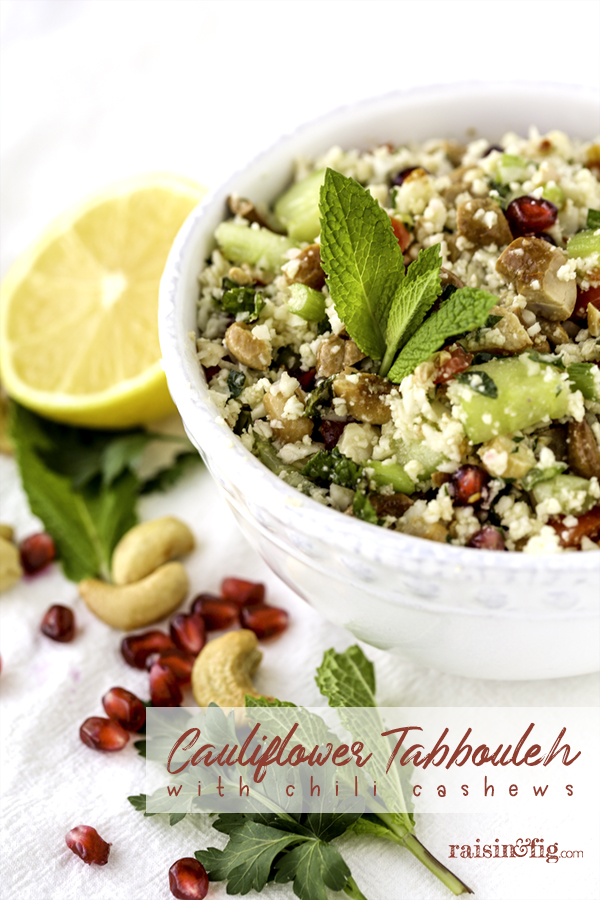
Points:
411	335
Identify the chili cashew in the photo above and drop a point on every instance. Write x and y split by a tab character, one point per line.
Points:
135	605
149	545
224	668
10	564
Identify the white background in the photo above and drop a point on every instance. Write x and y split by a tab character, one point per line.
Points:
92	91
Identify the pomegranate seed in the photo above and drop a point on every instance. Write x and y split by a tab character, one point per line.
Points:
401	177
180	664
217	614
164	688
244	593
403	236
210	372
332	430
459	361
188	633
87	844
188	879
588	525
103	734
528	215
488	538
125	708
264	621
37	551
306	379
136	648
467	486
59	624
584	298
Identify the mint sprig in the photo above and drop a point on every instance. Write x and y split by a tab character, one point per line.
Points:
362	259
414	297
467	309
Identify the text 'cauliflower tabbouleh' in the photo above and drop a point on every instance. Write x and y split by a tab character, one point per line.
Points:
411	335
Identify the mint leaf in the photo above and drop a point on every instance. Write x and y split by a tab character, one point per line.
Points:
85	524
166	478
237	299
138	801
313	866
264	702
362	259
362	507
467	309
414	297
347	679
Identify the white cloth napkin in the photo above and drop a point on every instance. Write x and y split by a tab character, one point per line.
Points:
92	91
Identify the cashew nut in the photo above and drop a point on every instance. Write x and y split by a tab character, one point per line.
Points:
147	546
135	605
6	531
223	669
10	563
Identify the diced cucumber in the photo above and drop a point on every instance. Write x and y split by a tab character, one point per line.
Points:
584	378
554	194
298	208
255	246
391	473
306	303
422	453
584	244
513	168
528	392
571	492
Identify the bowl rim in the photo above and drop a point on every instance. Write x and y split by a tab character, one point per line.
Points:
200	416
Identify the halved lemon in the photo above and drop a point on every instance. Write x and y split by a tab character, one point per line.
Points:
78	310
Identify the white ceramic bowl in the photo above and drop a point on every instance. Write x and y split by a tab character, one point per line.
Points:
461	610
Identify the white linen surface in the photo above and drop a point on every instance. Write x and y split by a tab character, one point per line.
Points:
91	92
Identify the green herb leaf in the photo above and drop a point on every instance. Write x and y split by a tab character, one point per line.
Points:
467	309
361	258
85	524
347	679
264	702
141	746
593	219
313	866
547	358
138	801
536	476
332	467
235	383
480	382
174	818
320	395
415	295
241	299
247	860
362	507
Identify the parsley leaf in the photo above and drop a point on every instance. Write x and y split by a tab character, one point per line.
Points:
332	467
466	309
246	861
414	297
479	382
362	507
241	299
362	259
313	866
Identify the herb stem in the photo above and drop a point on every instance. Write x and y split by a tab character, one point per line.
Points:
388	359
353	890
400	835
